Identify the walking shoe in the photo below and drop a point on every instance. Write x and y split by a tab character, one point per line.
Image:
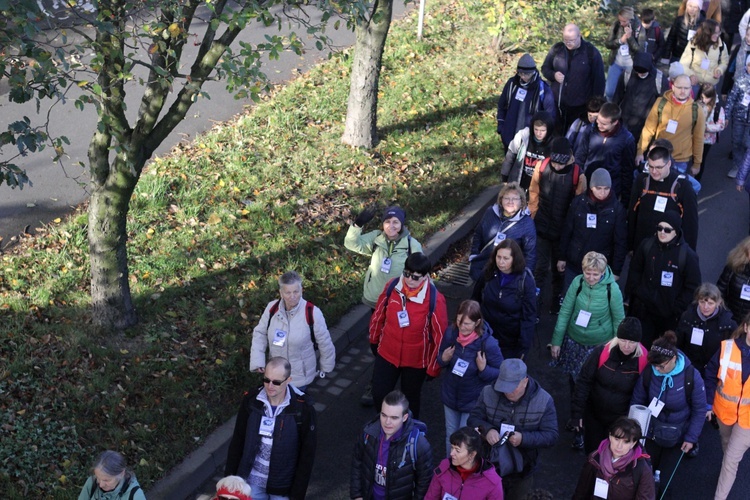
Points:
577	441
366	399
732	173
693	451
656	477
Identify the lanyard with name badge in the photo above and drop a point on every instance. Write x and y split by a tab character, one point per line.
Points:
402	315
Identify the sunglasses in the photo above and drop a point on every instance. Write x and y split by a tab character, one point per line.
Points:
664	229
414	276
277	383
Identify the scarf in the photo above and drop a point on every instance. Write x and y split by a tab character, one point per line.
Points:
465	473
705	318
668	380
468	339
411	292
612	132
609	468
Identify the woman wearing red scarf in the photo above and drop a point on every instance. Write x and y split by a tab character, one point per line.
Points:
618	470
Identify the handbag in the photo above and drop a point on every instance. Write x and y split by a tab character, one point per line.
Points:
665	435
506	458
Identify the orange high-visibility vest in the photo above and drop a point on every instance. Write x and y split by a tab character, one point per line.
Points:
732	399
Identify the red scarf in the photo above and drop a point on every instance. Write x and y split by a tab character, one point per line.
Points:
468	339
465	473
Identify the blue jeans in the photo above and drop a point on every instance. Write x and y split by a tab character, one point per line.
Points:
682	167
740	140
260	494
615	70
454	420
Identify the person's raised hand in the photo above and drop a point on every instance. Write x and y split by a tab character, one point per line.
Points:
365	216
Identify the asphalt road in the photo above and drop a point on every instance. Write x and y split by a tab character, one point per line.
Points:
56	191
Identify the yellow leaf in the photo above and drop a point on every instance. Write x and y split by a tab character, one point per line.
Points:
63	479
83	83
174	29
221	183
57	221
213	219
143	462
219	362
124	351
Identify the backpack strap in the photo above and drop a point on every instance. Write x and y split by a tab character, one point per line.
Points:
408	243
695	115
133	491
659	80
271	312
309	308
660	110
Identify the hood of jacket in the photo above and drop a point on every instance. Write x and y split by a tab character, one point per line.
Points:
524	212
669	94
373	428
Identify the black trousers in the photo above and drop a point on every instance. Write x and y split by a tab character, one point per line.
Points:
384	378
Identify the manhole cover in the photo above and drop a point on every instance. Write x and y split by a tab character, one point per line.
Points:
457	274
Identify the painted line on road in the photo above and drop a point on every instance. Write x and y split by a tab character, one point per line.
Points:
709	197
701	211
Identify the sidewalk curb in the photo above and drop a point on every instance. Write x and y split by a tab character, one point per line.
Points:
198	467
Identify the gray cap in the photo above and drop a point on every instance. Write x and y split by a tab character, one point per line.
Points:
512	372
601	178
526	63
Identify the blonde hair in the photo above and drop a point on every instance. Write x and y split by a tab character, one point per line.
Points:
594	260
738	256
627	12
639	351
512	187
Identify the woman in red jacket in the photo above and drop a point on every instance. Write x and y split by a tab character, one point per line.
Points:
406	329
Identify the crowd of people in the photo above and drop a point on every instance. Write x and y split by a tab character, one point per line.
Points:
601	175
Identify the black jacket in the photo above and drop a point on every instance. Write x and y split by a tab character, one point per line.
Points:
404	480
715	329
555	189
615	154
294	442
645	277
584	73
730	284
637	97
731	15
608	237
677	38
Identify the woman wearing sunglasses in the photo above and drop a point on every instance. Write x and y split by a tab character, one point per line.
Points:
664	273
406	329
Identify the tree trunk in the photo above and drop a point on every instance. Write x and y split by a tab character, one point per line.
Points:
361	128
112	306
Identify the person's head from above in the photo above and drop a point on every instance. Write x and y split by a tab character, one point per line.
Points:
739	256
571	36
393	221
708	95
659	162
647	17
469	318
394	412
642	64
675	69
511	199
747	38
708	35
668	226
276	377
708	298
743	329
512	380
416	270
541	126
561	153
629	334
693	8
109	470
593	105
466	446
609	117
601	184
232	488
663	353
625	16
526	68
681	88
507	257
624	435
290	289
594	265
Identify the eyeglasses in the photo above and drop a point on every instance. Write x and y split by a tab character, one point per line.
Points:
664	229
414	276
656	167
277	383
511	200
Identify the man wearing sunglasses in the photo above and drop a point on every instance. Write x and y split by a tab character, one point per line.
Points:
664	273
405	332
274	438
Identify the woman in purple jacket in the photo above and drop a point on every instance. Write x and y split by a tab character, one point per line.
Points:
465	474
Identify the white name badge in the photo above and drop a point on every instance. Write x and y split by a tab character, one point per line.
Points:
667	278
624	50
672	126
448	496
506	428
266	426
697	336
745	293
403	318
520	94
385	267
460	367
591	221
746	99
660	204
655	407
705	63
691	34
601	488
583	318
279	338
499	237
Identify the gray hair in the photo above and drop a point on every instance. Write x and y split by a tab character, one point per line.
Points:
111	463
290	278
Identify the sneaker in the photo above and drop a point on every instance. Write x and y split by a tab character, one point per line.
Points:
693	451
732	173
577	443
656	477
366	399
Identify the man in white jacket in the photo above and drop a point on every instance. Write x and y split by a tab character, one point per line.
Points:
293	328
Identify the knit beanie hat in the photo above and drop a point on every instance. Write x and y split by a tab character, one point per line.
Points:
601	178
560	151
526	63
675	70
396	212
630	329
672	218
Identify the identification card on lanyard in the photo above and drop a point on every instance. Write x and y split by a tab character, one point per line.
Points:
660	204
667	278
403	318
583	318
601	488
279	338
448	496
746	99
705	63
691	34
696	337
624	50
520	94
591	221
506	428
460	367
672	126
266	426
385	266
745	293
500	236
655	407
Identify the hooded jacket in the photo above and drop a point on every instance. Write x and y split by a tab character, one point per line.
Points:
515	109
701	346
622	486
376	244
603	301
460	392
730	285
405	480
583	69
519	227
127	489
609	237
550	194
524	153
637	96
687	139
615	34
693	61
484	484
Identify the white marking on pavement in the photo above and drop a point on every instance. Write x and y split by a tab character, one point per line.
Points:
709	197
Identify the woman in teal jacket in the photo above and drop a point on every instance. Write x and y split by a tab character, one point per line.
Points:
389	249
111	479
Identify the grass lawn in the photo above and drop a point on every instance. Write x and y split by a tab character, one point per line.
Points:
212	226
